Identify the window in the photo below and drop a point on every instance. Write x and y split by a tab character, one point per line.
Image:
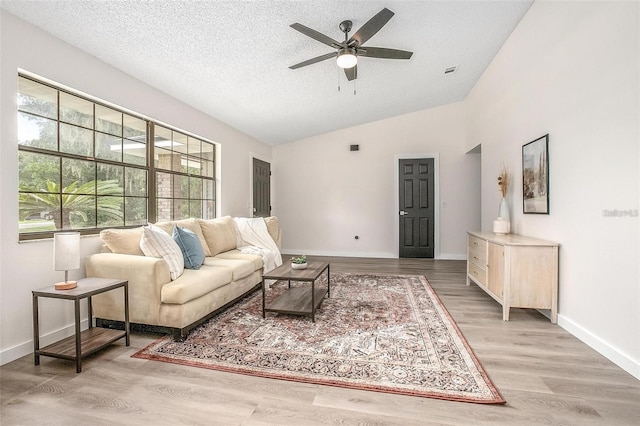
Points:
184	171
83	166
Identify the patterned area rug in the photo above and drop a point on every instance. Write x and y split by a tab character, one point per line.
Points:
379	333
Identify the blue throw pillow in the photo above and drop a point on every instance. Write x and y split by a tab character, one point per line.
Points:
191	248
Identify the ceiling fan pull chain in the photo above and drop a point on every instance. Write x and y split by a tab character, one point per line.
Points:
338	80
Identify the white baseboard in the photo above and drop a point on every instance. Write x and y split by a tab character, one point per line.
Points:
379	255
450	256
337	253
26	348
614	355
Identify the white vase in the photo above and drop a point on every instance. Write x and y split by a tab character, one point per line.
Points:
503	211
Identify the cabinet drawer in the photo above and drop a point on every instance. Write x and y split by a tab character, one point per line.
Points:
478	252
479	275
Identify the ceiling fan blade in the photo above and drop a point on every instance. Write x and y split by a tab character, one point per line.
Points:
314	60
316	35
351	73
382	52
371	27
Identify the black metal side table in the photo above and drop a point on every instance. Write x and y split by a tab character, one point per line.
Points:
82	343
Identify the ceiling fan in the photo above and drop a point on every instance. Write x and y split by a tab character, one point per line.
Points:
348	51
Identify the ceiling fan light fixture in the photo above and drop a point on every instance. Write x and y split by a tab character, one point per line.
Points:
347	58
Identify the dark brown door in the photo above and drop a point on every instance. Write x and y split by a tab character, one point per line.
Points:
417	211
261	188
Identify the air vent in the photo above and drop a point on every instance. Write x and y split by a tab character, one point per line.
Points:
450	70
354	147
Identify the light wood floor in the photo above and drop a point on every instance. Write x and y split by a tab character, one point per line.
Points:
547	376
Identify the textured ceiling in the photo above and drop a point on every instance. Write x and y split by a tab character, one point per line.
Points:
230	59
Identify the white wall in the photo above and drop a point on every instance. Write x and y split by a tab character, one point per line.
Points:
571	69
325	194
27	266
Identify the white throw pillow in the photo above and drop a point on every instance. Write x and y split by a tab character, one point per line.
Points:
157	243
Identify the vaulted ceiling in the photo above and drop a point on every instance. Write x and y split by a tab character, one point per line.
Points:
230	59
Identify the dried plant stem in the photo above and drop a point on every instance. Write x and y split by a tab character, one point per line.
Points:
503	180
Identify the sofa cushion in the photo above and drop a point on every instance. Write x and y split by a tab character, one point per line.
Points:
190	246
193	284
157	243
237	255
240	268
123	241
192	225
219	233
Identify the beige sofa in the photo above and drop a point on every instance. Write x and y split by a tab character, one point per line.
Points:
177	305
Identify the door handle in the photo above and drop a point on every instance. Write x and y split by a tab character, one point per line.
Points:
402	213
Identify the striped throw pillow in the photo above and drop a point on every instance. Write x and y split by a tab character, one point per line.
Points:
157	243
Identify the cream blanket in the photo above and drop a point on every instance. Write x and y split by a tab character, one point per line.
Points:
253	238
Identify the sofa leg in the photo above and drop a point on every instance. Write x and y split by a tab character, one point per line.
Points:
179	334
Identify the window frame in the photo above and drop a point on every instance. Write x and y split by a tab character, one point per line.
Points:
149	166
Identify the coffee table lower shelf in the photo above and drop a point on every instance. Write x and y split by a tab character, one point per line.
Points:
297	301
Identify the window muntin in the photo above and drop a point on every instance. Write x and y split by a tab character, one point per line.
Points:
83	166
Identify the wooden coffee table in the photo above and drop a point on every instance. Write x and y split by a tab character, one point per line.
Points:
300	300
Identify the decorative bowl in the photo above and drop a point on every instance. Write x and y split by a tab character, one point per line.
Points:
298	265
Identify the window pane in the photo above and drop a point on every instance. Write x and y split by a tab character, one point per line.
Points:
37	132
135	211
208	151
162	137
78	176
134	128
209	211
108	147
76	110
180	143
193	147
76	140
135	182
208	189
164	185
108	120
194	166
180	186
78	212
164	207
39	195
110	211
180	209
38	171
37	98
134	153
195	208
208	169
164	159
110	180
195	187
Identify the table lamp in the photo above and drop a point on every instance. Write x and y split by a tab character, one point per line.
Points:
66	256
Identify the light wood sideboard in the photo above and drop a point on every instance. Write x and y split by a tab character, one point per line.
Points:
517	271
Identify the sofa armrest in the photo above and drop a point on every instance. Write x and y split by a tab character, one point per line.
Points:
146	276
273	227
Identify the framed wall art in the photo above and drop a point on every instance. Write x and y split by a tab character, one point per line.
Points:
535	176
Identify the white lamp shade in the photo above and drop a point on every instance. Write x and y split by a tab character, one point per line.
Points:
346	59
66	251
